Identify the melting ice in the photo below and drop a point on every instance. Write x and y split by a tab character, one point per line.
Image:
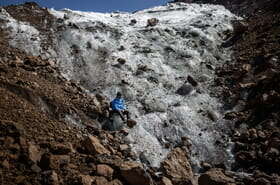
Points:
154	75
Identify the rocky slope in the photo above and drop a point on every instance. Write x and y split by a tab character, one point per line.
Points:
254	83
163	64
50	125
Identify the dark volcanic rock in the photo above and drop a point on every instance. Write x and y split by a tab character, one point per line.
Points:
184	90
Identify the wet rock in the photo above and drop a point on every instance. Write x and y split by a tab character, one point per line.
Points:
93	145
134	173
185	90
104	170
215	177
50	178
177	167
152	22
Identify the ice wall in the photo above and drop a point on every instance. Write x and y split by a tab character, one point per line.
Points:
150	65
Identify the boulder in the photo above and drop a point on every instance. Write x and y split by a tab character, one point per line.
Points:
134	173
131	123
212	115
215	176
121	61
192	81
152	22
133	22
185	90
177	167
93	145
104	170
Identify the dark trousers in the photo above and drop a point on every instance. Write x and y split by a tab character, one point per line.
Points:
122	113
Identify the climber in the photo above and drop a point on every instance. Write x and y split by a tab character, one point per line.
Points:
118	106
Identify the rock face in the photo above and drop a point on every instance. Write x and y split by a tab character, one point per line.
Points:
215	177
177	168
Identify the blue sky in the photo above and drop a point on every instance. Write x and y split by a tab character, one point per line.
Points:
93	5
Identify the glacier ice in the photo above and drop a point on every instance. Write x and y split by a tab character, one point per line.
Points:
186	42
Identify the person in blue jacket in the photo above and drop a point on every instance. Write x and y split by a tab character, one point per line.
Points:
118	105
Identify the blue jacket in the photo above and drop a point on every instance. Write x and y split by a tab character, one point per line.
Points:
118	104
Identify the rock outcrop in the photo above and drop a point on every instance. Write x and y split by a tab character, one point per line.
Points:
177	167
